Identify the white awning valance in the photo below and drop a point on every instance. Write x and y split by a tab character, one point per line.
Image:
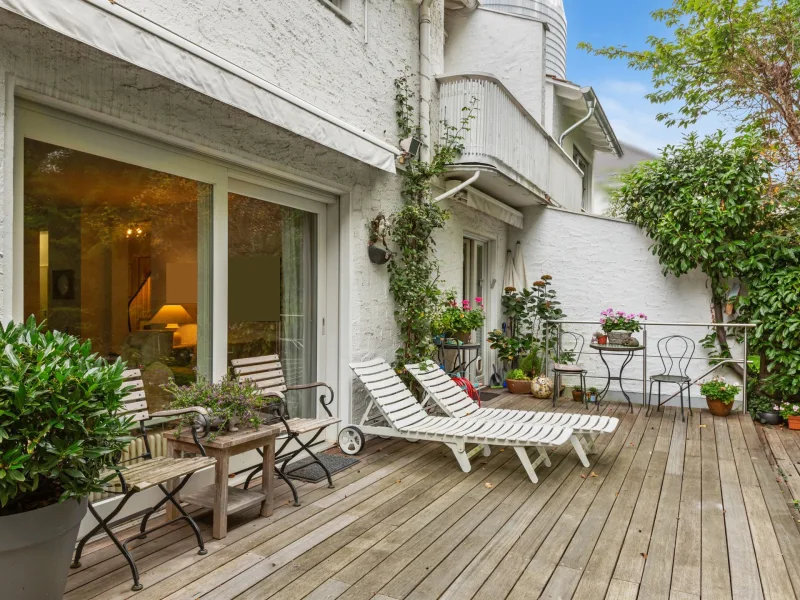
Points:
120	32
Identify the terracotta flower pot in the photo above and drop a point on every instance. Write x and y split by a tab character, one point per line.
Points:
577	396
602	339
793	422
718	408
518	386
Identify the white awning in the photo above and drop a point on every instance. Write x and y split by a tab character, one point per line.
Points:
120	32
477	200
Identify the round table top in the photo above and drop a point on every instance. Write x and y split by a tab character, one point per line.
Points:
615	348
458	346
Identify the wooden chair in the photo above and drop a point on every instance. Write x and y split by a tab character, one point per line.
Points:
266	372
149	473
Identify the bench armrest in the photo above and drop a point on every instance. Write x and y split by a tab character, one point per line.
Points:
203	420
308	386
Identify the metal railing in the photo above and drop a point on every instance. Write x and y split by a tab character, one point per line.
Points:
717	363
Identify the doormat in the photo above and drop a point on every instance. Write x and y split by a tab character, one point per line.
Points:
311	472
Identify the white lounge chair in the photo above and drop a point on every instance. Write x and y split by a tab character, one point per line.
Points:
455	402
404	417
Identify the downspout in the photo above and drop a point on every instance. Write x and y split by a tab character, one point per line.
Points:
459	187
425	77
590	104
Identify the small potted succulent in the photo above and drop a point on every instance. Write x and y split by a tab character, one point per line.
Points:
791	412
229	403
517	382
719	395
592	394
577	393
619	326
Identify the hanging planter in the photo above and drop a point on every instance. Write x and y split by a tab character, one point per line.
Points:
378	256
377	233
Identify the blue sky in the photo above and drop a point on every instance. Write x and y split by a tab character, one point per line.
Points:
621	90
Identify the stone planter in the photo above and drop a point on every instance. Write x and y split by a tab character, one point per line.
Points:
718	408
770	418
793	422
542	387
465	337
36	549
618	337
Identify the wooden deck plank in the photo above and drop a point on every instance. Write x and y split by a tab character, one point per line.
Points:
716	521
715	576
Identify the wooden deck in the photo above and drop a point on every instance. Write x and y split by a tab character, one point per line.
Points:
672	510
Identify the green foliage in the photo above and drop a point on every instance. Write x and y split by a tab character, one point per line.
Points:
757	403
517	375
58	425
226	401
413	269
718	389
738	57
531	363
577	388
458	317
526	313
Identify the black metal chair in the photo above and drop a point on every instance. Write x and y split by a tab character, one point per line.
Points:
150	472
676	353
266	372
572	351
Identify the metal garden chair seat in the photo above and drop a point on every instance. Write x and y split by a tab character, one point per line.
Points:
676	353
560	369
266	372
455	402
151	472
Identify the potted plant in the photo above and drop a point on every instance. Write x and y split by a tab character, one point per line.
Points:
619	326
59	434
593	391
791	412
377	233
764	409
229	403
577	393
458	319
601	337
719	395
517	382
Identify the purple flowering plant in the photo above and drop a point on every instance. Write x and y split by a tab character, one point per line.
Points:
227	401
618	320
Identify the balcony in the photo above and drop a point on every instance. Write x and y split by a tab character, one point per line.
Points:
522	165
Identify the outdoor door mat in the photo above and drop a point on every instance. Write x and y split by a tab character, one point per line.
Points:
309	471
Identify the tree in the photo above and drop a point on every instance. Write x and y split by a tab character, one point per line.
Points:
738	57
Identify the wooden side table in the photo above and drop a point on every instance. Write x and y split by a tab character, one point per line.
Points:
225	500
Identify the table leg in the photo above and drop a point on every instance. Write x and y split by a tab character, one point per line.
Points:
220	527
268	478
172	512
627	360
604	391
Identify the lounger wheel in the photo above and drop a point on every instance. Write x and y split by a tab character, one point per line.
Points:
351	440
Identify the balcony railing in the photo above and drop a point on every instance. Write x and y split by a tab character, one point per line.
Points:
506	136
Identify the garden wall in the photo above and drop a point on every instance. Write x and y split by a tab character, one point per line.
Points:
598	263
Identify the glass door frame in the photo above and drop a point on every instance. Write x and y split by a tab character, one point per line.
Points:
53	126
472	241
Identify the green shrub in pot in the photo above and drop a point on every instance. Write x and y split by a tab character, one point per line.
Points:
58	434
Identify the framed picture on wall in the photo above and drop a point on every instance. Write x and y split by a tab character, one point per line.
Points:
64	284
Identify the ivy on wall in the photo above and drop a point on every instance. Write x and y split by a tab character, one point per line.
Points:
413	267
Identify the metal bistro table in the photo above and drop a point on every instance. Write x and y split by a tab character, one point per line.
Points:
461	362
629	351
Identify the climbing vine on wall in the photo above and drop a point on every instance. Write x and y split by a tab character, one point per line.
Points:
413	268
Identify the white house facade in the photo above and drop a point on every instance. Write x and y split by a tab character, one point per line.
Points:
188	183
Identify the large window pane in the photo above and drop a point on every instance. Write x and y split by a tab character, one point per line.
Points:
114	253
272	290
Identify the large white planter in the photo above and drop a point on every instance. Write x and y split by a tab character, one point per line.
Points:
36	548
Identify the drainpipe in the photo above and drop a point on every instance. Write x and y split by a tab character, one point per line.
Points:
425	76
459	187
590	104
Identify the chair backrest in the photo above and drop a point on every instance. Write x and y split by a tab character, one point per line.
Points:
134	405
570	347
675	352
391	396
265	372
445	392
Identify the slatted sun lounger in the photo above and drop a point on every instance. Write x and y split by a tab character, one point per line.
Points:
405	418
455	402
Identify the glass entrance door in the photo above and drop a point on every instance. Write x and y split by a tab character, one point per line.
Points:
272	288
476	264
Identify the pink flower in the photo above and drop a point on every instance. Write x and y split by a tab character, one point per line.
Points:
602	320
478	300
621	313
465	303
642	316
775	407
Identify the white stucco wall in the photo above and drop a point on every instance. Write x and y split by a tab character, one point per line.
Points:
597	263
507	46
